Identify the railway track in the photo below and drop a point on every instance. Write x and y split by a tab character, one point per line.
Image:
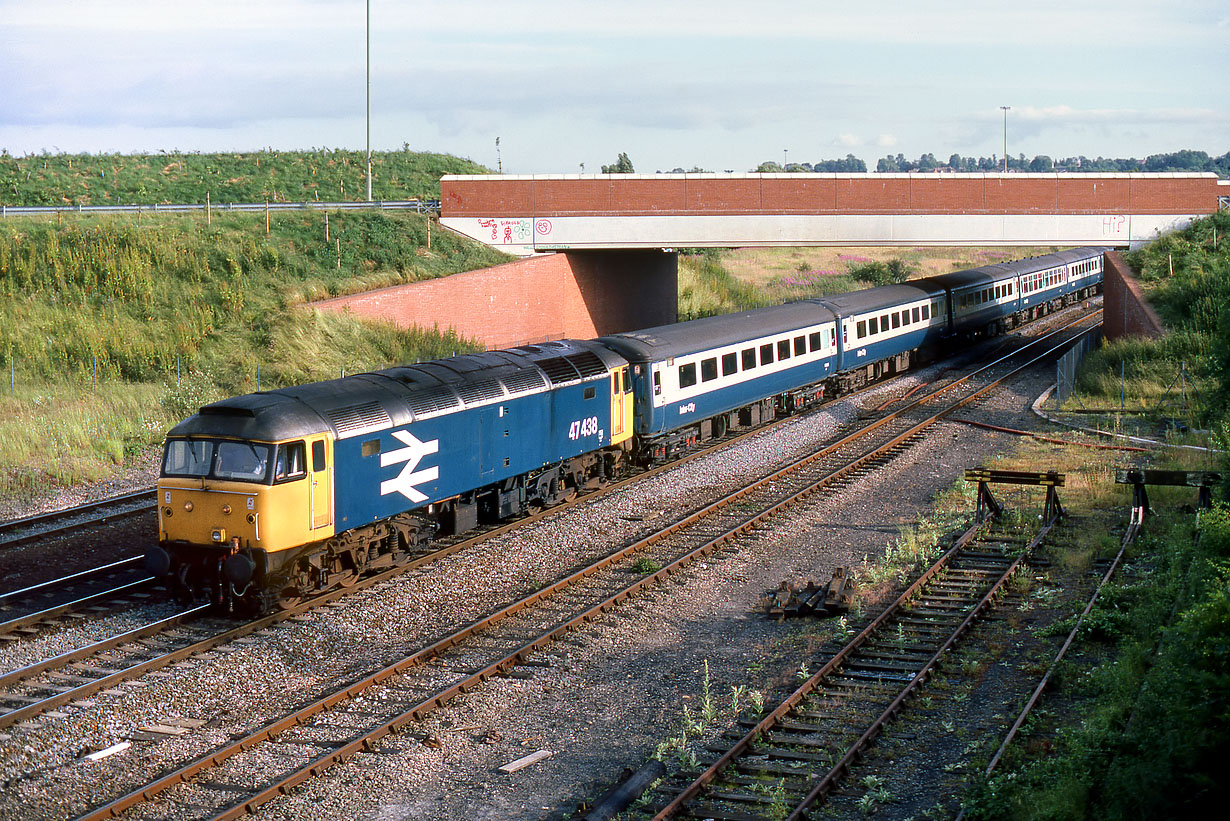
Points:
787	762
59	522
31	610
354	717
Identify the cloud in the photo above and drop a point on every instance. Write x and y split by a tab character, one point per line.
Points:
886	141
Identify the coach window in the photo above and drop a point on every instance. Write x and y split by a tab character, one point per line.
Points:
915	314
813	341
766	354
873	326
862	328
783	349
896	320
924	312
749	358
800	345
657	382
730	363
289	464
708	369
687	375
884	322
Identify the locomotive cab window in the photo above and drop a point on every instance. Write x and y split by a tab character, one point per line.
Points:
687	375
291	462
318	456
708	369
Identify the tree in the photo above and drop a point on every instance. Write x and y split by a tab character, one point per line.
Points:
623	165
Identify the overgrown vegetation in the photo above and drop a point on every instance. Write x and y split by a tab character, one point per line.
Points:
1144	724
1186	276
322	174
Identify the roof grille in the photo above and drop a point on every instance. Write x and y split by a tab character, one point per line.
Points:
522	381
558	369
475	393
588	363
432	400
355	419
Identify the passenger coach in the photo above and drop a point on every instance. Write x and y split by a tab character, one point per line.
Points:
696	380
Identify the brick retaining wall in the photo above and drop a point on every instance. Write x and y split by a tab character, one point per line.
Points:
552	296
1125	311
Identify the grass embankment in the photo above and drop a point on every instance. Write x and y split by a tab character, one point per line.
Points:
132	303
323	174
1186	277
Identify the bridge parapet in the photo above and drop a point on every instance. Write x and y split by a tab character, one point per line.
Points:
525	214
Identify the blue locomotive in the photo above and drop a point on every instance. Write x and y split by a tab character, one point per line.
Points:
268	497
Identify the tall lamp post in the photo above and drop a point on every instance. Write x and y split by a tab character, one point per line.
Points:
1005	108
369	100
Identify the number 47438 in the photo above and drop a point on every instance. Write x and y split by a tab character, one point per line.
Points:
583	427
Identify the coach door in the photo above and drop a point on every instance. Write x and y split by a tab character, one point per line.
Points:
321	499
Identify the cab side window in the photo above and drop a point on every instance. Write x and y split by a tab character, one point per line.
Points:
290	463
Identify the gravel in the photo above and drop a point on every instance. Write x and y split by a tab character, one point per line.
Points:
610	694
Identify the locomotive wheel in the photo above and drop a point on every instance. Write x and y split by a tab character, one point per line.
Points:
286	602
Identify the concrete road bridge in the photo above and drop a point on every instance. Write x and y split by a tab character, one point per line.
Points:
528	214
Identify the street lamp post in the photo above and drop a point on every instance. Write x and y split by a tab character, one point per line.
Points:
369	100
785	152
1005	109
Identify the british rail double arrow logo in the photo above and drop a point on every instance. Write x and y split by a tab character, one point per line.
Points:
411	454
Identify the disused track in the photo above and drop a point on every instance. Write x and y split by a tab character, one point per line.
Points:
356	716
792	758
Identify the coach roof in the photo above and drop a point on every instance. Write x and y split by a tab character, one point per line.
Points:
666	341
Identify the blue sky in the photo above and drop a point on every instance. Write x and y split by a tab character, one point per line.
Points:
720	85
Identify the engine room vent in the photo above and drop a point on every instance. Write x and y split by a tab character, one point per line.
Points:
588	363
558	369
480	392
432	400
523	381
356	419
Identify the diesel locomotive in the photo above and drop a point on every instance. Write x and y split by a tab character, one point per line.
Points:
272	496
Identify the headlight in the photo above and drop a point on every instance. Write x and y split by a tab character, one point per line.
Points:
188	506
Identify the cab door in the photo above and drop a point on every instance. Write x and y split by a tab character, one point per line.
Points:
621	405
319	475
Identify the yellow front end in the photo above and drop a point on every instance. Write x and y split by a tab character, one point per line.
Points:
212	512
240	513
